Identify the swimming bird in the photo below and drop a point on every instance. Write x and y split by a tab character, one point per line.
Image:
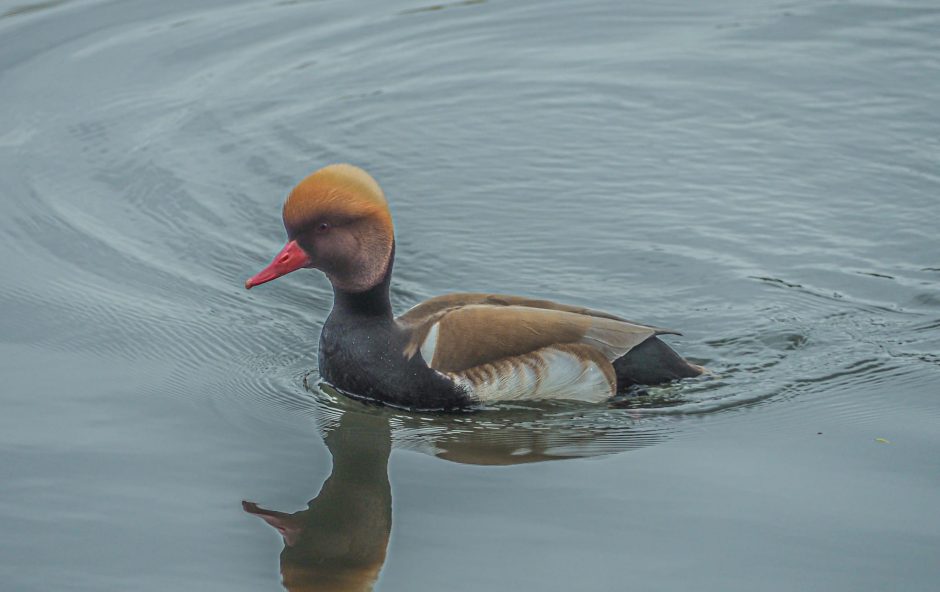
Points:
457	350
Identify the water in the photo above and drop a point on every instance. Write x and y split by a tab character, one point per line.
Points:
761	175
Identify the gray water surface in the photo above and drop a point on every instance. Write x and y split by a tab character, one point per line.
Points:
763	176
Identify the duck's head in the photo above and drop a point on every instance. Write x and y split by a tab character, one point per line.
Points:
337	221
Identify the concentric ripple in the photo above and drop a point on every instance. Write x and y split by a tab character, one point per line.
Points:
145	185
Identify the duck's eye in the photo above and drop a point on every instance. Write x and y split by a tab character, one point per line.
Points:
323	226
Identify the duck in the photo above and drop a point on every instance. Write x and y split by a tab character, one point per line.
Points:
455	351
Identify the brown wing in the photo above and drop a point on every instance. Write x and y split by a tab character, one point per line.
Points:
433	307
460	336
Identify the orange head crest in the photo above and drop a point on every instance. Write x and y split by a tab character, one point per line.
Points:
337	220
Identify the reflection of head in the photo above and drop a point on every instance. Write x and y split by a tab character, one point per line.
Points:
339	541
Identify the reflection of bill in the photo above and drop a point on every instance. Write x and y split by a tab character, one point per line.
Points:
339	542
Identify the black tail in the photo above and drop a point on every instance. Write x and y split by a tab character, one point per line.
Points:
652	362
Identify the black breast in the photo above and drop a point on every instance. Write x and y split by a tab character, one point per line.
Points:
364	357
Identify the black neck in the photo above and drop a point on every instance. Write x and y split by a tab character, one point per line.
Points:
373	302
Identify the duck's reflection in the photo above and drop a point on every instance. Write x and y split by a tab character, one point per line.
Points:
339	542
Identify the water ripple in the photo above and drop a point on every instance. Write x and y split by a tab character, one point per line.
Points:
748	211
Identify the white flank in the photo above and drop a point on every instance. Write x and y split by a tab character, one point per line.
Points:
562	376
430	343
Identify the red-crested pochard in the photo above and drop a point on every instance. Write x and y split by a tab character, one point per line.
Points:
452	351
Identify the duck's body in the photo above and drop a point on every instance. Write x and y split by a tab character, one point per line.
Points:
456	350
